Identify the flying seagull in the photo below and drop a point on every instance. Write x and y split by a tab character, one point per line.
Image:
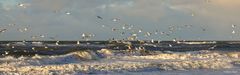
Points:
99	17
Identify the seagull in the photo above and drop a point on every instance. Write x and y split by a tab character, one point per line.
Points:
57	43
68	13
233	32
78	42
99	17
233	26
2	30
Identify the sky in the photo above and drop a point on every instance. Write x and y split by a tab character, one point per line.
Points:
119	19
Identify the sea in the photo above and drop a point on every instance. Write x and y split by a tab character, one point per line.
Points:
118	57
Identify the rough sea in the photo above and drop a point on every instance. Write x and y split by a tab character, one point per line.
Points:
120	57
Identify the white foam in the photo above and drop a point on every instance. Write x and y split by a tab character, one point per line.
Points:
116	61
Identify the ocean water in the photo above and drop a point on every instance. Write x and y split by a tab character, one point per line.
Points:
101	58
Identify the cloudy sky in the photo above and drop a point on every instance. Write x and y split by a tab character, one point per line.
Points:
164	19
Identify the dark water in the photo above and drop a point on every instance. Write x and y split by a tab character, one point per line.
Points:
64	47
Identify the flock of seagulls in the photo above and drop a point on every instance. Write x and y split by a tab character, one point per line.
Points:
233	29
131	32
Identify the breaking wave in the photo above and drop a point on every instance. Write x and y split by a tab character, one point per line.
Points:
105	61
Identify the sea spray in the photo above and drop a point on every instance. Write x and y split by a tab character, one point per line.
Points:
87	55
105	52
